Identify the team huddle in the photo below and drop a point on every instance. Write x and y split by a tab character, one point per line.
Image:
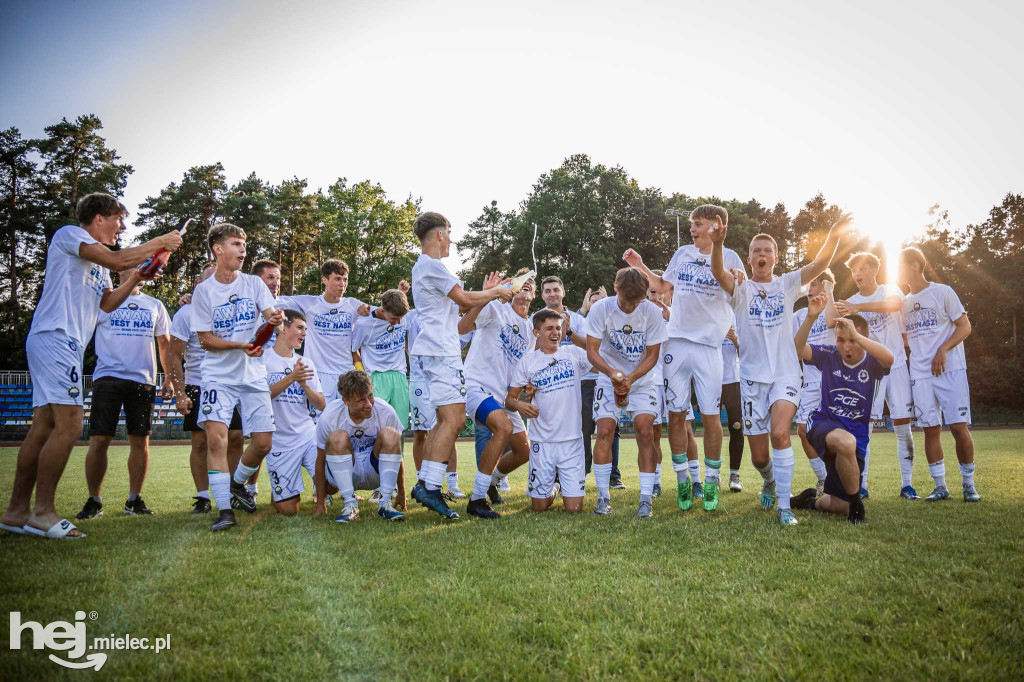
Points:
704	331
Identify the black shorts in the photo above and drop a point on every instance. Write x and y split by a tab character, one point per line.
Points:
192	391
816	436
110	395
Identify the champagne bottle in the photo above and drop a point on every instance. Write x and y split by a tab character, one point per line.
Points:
517	282
621	399
152	265
262	335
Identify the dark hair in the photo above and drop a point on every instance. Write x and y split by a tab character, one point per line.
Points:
543	315
552	278
859	323
632	284
222	231
261	266
291	315
334	266
427	223
98	203
394	301
354	384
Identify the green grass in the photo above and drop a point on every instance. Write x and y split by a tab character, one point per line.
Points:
923	591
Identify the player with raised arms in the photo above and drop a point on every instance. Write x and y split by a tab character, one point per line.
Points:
769	368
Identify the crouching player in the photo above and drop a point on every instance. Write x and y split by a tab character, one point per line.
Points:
850	375
556	424
358	445
296	396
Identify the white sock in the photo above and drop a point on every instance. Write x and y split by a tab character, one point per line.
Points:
253	488
243	472
220	486
388	466
341	472
132	497
867	460
481	483
657	470
711	469
767	472
495	478
680	467
419	477
433	474
453	479
784	461
603	477
938	472
905	452
96	498
694	465
647	481
967	471
203	494
818	467
734	472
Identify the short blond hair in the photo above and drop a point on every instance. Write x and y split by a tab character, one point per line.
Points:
767	237
394	302
863	257
222	231
710	212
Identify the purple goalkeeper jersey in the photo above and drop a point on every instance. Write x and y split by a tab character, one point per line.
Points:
847	393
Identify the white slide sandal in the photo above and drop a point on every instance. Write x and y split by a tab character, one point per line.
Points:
14	530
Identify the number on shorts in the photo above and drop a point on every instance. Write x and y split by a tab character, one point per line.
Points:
600	393
274	476
750	408
210	397
73	375
462	377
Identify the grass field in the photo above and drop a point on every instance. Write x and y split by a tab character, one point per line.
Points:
923	591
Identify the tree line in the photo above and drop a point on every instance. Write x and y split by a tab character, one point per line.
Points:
585	215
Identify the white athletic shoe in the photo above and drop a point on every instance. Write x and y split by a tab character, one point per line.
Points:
456	492
504	486
375	497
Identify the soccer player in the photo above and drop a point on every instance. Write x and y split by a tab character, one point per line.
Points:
226	315
358	445
76	287
553	372
664	303
589	382
769	367
693	353
624	336
295	395
880	304
330	318
733	405
810	393
125	377
936	325
501	338
438	353
380	342
850	372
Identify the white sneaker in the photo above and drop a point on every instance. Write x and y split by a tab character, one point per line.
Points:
556	490
504	486
375	497
456	492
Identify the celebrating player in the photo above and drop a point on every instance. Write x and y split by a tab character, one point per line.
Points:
936	325
76	286
769	367
624	335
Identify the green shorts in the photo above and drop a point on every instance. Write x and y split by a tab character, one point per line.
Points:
393	388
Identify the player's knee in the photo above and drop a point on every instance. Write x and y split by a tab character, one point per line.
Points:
337	443
780	437
605	429
390	439
502	428
235	439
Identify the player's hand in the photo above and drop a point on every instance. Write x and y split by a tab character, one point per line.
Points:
739	276
504	294
184	300
277	319
492	280
846	308
718	231
815	304
253	351
529	391
528	410
401	503
171	241
633	259
840	226
939	362
827	285
321	507
731	335
666	311
845	324
184	404
167	390
404	287
301	373
586	301
363	310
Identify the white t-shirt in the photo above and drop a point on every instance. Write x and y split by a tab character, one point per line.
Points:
181	329
363	435
764	324
124	339
381	345
431	283
625	337
886	328
558	398
820	335
232	312
329	328
72	288
700	308
928	318
730	362
293	414
500	341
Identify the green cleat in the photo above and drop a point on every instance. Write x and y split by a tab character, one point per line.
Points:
768	495
970	494
786	518
684	495
710	495
940	493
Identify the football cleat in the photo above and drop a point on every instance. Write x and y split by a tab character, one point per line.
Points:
819	487
786	517
348	514
556	490
657	490
907	492
136	507
242	498
940	493
201	505
864	494
710	496
225	520
481	509
684	495
970	494
504	486
856	514
456	493
388	512
644	511
735	485
432	500
805	500
768	495
375	496
698	491
492	493
616	484
91	510
604	506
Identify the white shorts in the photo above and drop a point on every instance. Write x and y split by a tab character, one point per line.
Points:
217	403
662	416
445	377
758	398
810	398
364	476
684	361
642	400
284	468
564	458
476	395
946	397
55	365
894	390
423	414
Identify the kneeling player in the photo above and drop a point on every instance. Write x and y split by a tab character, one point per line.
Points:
358	445
296	396
839	428
556	424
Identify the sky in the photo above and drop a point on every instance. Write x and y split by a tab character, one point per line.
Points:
886	108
